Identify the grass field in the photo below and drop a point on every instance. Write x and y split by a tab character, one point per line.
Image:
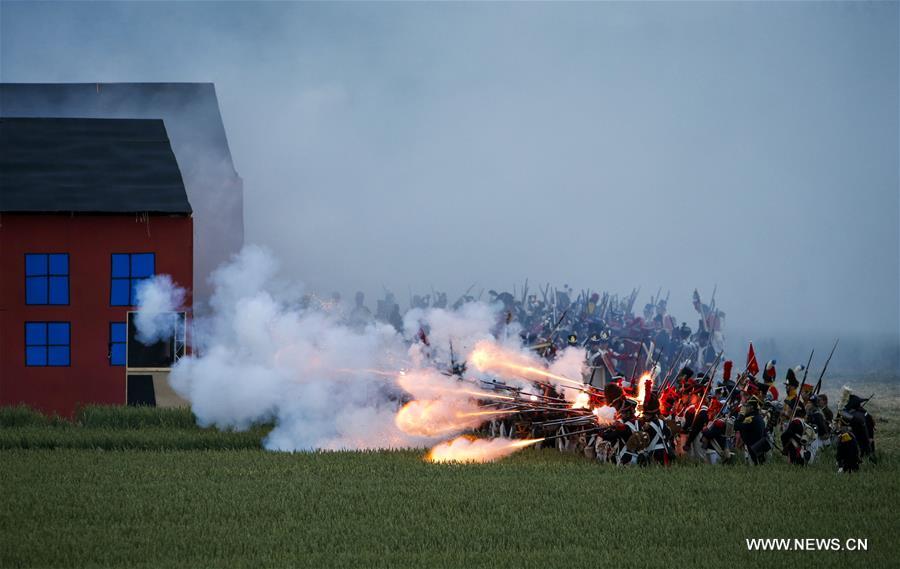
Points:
146	488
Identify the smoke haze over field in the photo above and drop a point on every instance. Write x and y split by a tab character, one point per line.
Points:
749	145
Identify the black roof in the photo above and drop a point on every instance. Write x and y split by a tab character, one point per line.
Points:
89	165
190	111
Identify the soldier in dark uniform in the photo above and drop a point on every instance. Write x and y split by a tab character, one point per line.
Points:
614	395
793	444
822	404
659	450
699	419
863	426
847	453
815	417
714	439
791	393
621	431
752	428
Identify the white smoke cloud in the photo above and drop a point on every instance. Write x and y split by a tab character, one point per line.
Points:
570	363
606	415
259	357
465	327
158	298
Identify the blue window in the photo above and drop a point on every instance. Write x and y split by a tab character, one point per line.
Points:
117	336
47	278
128	271
47	343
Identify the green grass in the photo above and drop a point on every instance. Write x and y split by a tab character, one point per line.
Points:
154	438
119	428
85	506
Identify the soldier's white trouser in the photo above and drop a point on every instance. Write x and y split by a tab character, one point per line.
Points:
696	450
814	447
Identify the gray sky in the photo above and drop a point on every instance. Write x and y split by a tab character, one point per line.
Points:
753	146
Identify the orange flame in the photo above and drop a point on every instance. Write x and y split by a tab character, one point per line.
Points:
489	357
468	449
644	383
438	417
486	413
429	384
582	401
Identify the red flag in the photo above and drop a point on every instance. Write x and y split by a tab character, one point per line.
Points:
726	370
752	364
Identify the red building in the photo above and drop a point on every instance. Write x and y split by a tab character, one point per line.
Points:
193	120
88	209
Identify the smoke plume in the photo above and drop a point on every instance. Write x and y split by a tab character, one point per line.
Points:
260	356
158	299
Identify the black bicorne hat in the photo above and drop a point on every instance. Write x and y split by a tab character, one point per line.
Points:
791	378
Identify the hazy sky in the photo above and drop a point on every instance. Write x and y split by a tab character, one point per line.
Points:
753	146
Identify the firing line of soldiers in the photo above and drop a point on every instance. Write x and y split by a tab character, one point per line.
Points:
698	417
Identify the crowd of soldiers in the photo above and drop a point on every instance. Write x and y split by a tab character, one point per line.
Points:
604	324
654	390
711	421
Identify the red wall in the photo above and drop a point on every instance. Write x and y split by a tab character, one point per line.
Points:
89	240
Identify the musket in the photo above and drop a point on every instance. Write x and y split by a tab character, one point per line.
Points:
634	295
712	299
709	378
558	323
806	369
656	362
665	381
737	383
601	308
593	371
544	292
591	430
637	358
819	383
576	419
459	302
800	387
704	313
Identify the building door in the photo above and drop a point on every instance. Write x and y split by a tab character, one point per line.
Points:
140	390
